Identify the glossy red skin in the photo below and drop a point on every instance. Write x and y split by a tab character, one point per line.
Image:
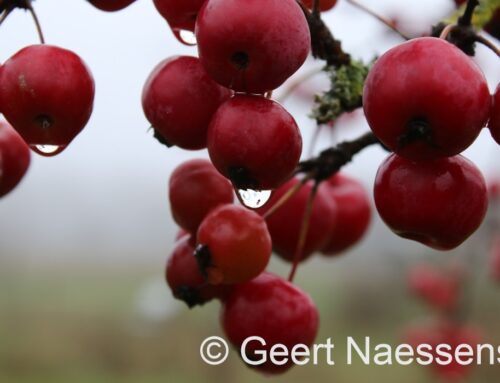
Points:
239	244
439	203
494	124
184	277
110	5
180	15
274	309
195	188
44	80
443	332
353	213
15	158
439	290
257	135
285	223
426	78
179	99
273	34
324	5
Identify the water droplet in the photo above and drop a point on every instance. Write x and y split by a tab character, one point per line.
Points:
47	150
185	37
254	199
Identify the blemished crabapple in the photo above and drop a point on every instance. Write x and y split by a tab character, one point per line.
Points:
439	203
179	99
194	189
15	158
254	142
234	245
252	46
275	310
426	99
184	277
46	110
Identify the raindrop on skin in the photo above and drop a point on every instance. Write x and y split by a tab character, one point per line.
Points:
47	150
253	199
185	37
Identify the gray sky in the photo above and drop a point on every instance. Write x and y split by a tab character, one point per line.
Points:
104	198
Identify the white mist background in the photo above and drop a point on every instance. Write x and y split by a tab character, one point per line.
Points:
104	199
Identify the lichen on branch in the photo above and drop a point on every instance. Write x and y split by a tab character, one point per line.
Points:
345	93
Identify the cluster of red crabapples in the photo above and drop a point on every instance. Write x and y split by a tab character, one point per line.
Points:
427	102
221	101
443	291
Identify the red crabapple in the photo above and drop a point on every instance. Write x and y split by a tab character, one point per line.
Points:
443	332
111	5
195	188
14	158
353	212
185	279
425	99
324	5
439	203
494	124
252	46
438	289
254	142
273	309
180	15
47	95
285	223
234	245
179	99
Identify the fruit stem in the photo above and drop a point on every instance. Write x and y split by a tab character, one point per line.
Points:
298	82
4	14
323	45
304	229
466	19
447	30
285	197
315	8
384	20
331	160
487	43
35	19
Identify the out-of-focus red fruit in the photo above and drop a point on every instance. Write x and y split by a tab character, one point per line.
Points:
14	158
494	123
285	223
495	259
353	212
436	288
446	333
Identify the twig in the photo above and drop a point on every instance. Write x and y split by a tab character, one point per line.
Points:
384	20
304	229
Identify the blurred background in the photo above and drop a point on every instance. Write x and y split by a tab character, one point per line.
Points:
85	237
